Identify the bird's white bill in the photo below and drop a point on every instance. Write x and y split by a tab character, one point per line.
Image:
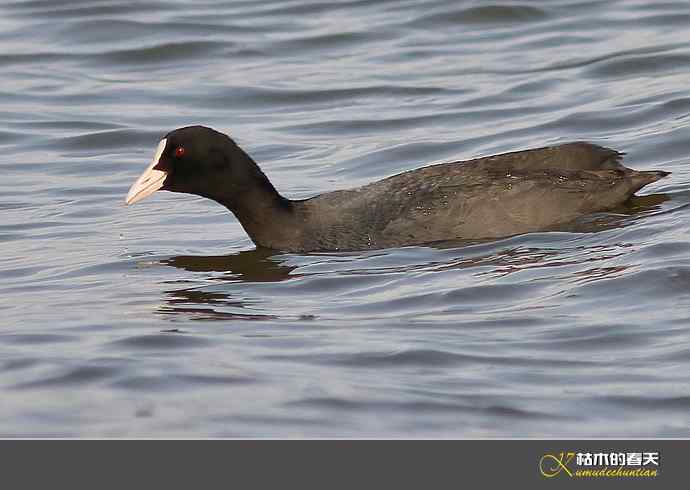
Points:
150	181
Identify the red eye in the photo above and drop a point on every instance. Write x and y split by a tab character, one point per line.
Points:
179	152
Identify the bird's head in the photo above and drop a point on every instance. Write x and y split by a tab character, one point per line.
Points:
196	160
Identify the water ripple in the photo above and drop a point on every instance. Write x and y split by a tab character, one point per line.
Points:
110	313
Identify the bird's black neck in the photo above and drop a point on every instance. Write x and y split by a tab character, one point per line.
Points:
265	214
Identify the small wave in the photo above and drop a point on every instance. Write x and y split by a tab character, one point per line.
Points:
488	14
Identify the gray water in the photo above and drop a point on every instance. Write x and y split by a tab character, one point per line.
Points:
161	320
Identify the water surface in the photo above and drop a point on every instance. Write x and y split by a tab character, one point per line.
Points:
161	320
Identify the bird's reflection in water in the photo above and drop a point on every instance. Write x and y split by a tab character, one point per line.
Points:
251	266
644	204
521	258
260	265
635	208
219	295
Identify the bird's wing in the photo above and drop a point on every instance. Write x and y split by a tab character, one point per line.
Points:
569	156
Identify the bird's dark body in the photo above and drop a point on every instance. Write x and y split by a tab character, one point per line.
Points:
489	197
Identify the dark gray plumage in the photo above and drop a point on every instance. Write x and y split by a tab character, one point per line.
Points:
487	197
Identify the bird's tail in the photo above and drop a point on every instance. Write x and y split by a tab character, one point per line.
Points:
646	177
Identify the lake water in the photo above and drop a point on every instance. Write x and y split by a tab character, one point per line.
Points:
161	320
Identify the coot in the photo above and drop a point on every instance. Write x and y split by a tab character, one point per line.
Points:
488	197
